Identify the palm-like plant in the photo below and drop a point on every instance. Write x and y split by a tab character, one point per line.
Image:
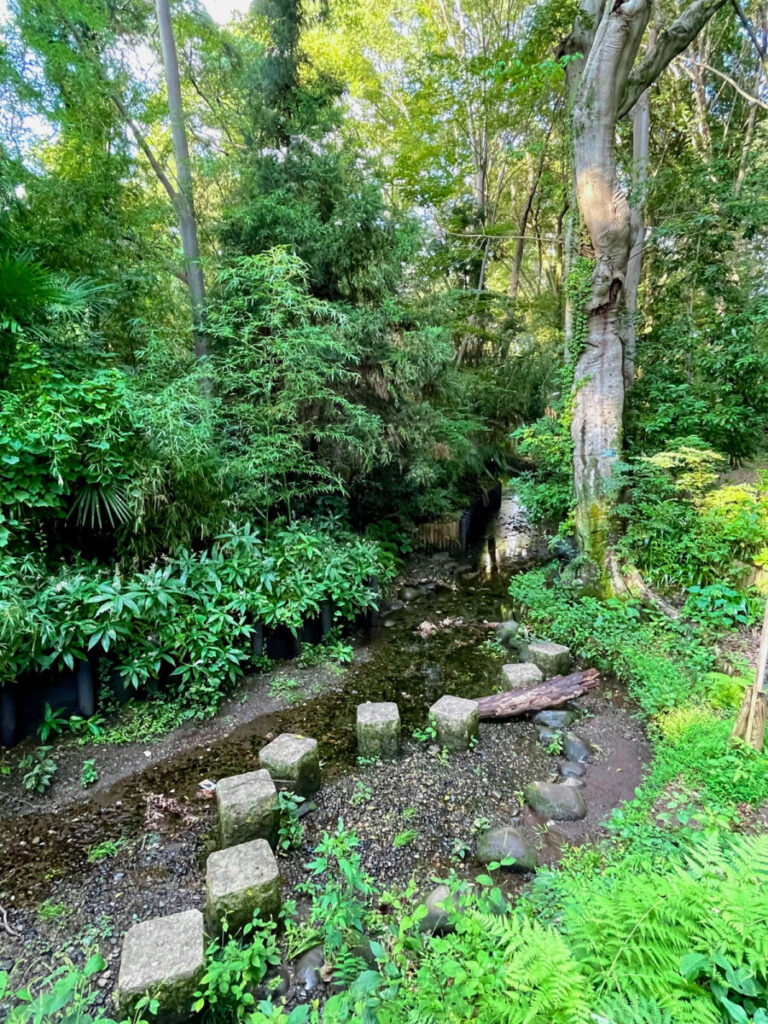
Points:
31	296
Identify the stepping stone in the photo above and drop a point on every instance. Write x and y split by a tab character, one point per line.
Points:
507	631
556	800
504	843
575	748
572	769
239	881
294	761
524	674
552	659
553	719
378	730
248	808
456	721
165	957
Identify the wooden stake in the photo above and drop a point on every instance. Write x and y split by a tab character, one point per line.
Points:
750	723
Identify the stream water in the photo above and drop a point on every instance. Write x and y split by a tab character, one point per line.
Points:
396	662
416	818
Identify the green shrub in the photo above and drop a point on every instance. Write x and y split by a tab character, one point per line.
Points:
660	660
681	530
193	613
631	930
547	490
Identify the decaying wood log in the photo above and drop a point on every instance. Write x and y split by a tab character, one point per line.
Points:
546	695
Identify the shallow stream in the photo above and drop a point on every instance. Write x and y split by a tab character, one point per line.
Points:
429	643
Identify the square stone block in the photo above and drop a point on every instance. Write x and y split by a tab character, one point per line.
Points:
293	762
552	659
523	674
247	808
238	881
378	730
456	721
164	957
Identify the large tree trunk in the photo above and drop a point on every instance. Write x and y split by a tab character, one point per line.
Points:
184	200
598	405
608	89
641	130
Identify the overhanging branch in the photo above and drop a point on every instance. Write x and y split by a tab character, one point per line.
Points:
750	32
672	41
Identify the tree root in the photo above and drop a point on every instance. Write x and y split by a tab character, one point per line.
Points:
626	581
6	926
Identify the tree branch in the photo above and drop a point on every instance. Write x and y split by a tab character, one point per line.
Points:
672	41
742	92
146	149
750	32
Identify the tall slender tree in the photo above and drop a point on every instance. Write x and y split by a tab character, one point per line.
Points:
184	195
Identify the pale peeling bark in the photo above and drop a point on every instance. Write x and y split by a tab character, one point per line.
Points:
598	409
607	90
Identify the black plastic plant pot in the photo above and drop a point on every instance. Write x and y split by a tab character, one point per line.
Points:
86	691
282	644
326	617
257	642
312	631
120	690
8	717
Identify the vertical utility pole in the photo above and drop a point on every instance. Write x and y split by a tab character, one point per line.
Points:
184	202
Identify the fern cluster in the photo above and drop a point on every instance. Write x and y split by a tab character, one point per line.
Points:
629	933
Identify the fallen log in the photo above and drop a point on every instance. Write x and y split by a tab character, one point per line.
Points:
535	698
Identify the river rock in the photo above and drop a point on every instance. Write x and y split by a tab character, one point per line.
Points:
547	736
503	843
575	748
576	783
552	659
248	808
554	719
556	800
378	730
572	769
239	881
293	760
507	631
409	593
524	674
164	956
441	905
306	970
456	721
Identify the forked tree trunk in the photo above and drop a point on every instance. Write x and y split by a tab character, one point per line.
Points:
598	406
606	90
